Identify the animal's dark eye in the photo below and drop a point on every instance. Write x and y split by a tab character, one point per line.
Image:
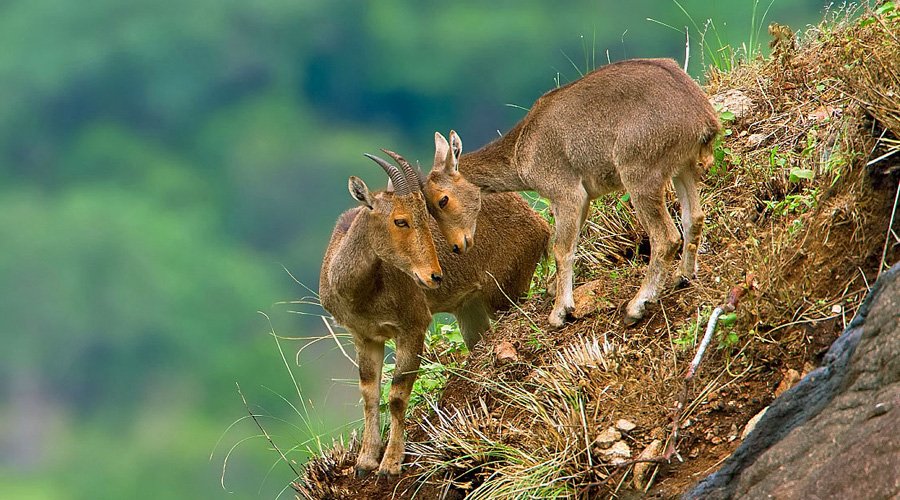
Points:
401	223
443	202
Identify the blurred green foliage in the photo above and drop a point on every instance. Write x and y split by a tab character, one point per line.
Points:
161	160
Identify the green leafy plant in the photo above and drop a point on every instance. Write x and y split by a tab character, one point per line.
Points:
888	10
776	160
442	341
543	273
727	336
793	203
797	174
796	225
723	156
534	342
687	335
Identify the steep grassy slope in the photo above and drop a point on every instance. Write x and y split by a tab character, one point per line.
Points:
798	206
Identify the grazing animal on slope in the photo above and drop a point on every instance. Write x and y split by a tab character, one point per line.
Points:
631	125
382	278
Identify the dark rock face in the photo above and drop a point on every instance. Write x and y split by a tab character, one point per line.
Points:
837	433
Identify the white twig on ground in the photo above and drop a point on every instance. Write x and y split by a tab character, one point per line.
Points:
710	328
734	297
882	157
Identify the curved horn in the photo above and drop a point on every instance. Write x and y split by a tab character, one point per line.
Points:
414	178
401	186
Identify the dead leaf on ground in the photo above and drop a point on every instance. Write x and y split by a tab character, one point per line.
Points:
505	352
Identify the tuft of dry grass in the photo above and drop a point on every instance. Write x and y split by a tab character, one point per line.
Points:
870	66
610	235
320	477
534	438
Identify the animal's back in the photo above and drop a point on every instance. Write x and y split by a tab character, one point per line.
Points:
640	111
328	294
627	90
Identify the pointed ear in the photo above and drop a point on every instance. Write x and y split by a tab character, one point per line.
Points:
455	151
441	149
390	186
360	191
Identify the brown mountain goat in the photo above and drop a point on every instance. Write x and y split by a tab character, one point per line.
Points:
630	125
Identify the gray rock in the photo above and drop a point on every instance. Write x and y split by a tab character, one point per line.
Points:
836	434
617	453
608	437
733	100
755	139
640	469
625	425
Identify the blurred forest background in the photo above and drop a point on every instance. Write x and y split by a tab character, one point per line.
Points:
160	161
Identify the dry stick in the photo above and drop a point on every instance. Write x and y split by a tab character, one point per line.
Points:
882	157
886	29
338	342
887	237
265	433
514	304
730	305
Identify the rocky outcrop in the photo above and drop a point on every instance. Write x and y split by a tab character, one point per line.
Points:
836	434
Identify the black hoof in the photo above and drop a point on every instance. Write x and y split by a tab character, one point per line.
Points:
361	473
682	281
631	320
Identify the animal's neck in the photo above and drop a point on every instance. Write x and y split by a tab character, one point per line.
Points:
493	168
356	265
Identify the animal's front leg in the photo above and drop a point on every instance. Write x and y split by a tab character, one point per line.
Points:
370	356
409	348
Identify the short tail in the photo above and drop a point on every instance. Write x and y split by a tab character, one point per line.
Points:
708	137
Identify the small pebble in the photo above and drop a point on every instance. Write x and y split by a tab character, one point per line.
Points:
625	425
608	437
755	139
879	410
752	423
618	450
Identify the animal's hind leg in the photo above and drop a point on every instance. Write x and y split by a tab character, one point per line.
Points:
474	320
692	217
651	212
409	350
370	356
569	212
